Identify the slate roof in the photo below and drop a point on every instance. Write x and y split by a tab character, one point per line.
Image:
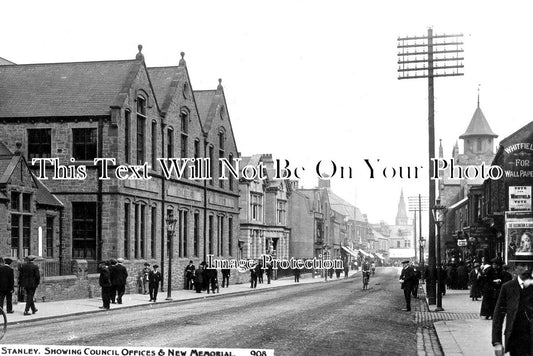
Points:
204	100
478	126
343	207
63	89
165	81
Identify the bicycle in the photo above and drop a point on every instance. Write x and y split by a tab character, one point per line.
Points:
366	279
3	322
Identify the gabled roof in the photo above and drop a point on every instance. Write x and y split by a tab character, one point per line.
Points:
162	79
5	62
343	207
204	101
209	104
8	164
64	89
478	126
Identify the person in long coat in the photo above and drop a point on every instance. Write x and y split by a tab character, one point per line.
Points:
515	307
154	278
199	276
105	284
7	286
29	279
475	282
121	278
462	276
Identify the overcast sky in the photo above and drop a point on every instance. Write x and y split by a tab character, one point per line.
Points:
308	80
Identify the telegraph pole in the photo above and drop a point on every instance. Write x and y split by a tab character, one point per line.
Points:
429	57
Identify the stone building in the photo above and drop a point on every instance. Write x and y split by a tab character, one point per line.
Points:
478	149
264	225
71	113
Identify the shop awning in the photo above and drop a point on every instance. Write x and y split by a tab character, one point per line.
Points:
350	251
365	253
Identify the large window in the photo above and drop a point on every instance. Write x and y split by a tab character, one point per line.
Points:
230	236
20	224
84	230
184	116
170	142
141	123
256	206
154	144
143	231
182	237
154	231
127	230
211	164
220	155
196	237
84	144
282	211
220	237
127	118
50	237
39	143
210	238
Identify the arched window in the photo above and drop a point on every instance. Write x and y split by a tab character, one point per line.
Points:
141	128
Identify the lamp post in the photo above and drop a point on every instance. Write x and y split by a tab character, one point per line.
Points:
171	226
438	217
325	248
422	245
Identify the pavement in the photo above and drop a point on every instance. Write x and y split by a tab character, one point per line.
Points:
63	308
459	328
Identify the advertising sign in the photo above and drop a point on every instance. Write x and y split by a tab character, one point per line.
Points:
518	237
520	198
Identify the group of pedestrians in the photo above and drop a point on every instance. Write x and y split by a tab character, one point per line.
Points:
204	279
113	277
28	281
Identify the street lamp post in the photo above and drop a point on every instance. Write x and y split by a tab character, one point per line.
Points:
325	254
438	217
171	226
422	245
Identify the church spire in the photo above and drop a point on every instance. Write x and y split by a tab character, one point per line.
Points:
401	216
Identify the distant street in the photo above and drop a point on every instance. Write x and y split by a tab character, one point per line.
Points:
336	318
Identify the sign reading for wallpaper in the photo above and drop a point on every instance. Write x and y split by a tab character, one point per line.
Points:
518	236
520	198
518	161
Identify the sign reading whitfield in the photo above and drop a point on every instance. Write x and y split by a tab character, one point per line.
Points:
518	161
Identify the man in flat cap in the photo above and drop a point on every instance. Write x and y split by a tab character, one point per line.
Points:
29	279
408	279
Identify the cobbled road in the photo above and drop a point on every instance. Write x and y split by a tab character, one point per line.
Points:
333	318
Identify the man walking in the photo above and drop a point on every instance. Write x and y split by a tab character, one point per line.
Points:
105	284
189	275
7	285
29	279
121	277
225	277
407	278
515	305
154	279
